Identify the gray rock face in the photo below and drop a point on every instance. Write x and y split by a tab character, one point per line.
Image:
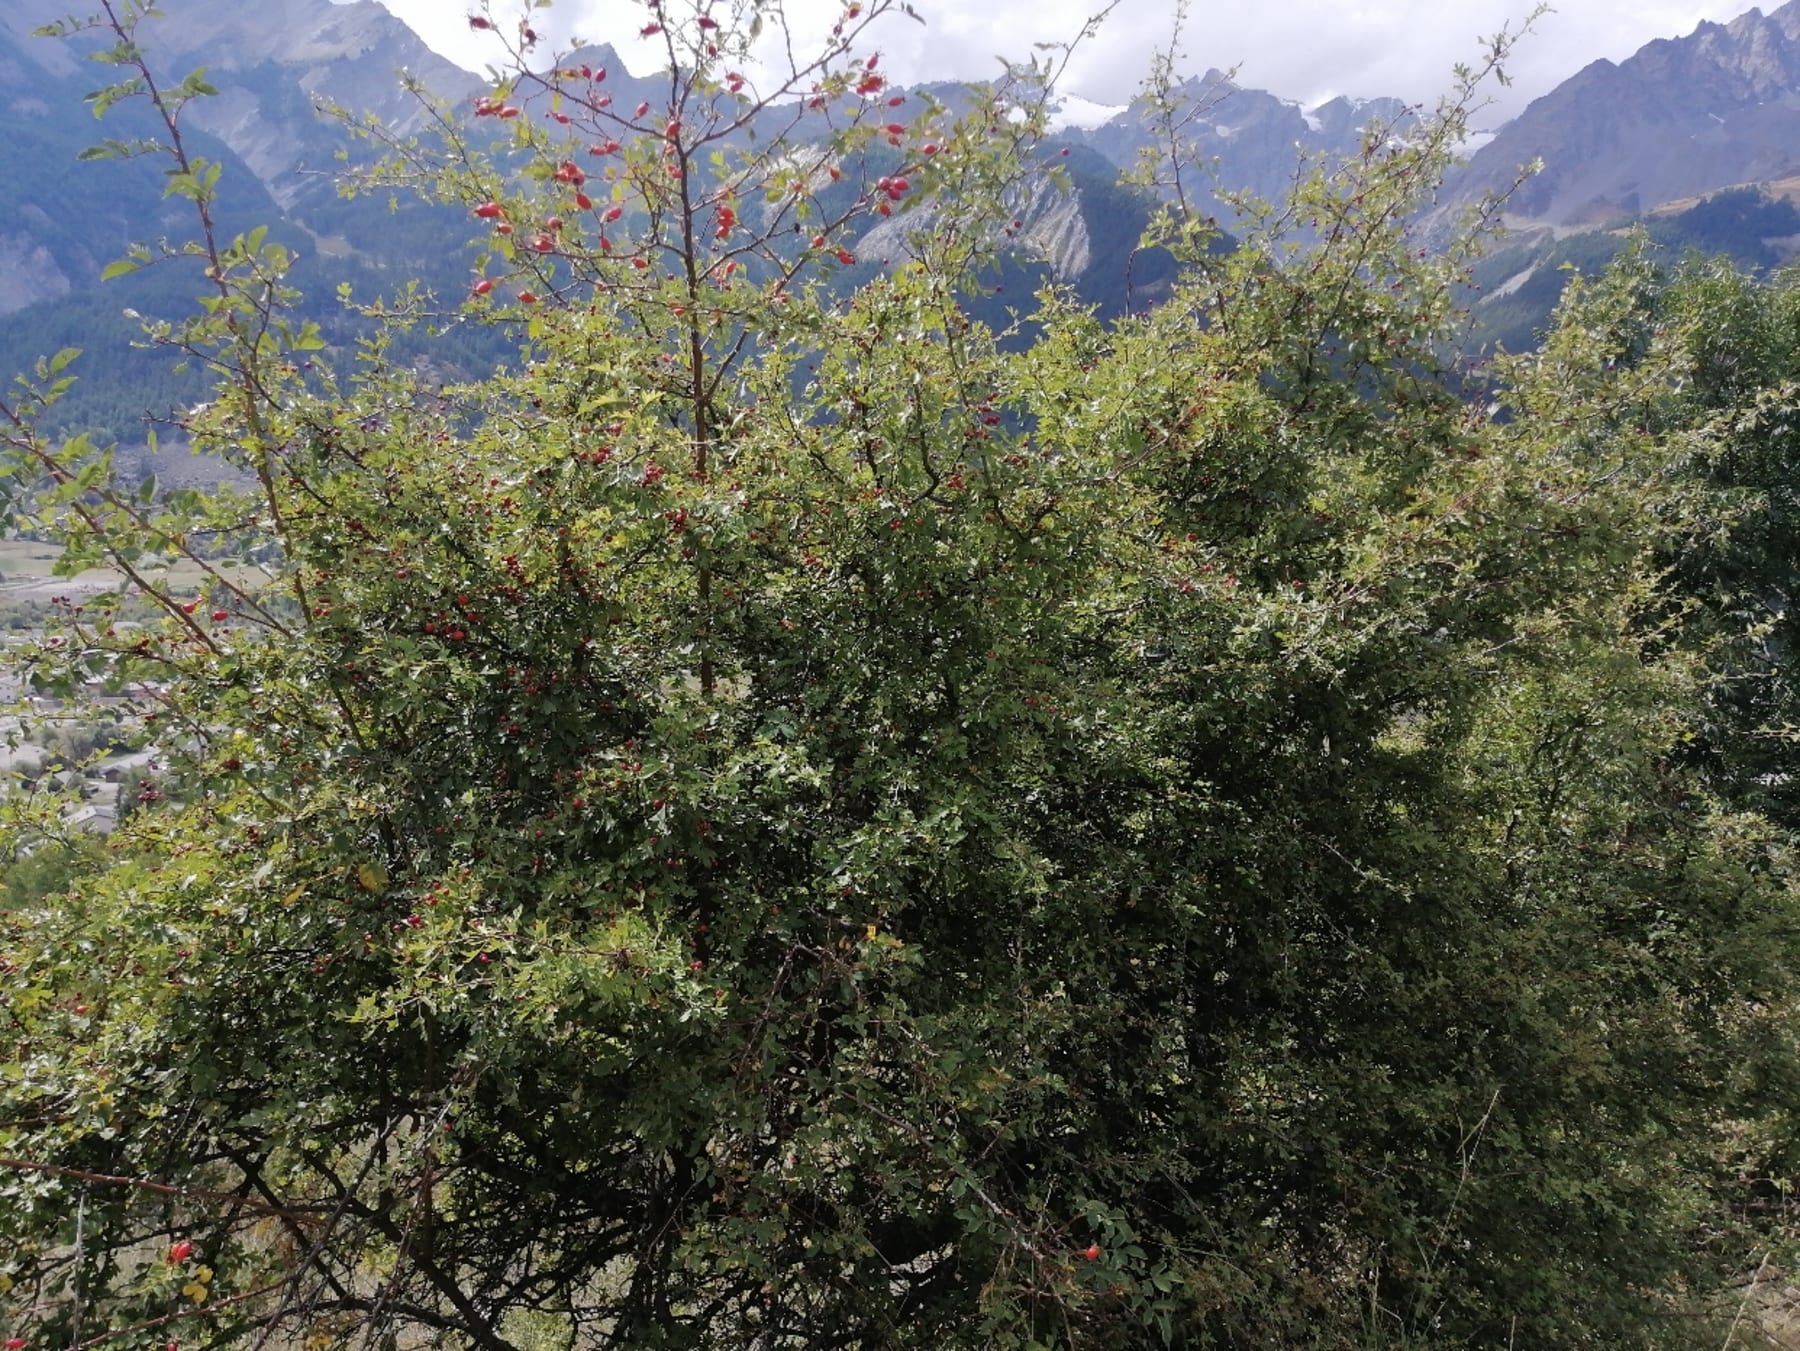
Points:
271	60
1682	117
348	53
1052	227
1253	141
28	273
274	60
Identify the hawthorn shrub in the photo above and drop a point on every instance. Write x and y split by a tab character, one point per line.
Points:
791	820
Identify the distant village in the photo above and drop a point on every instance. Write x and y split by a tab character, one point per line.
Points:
44	740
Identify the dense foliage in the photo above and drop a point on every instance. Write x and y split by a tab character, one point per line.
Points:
794	819
1519	283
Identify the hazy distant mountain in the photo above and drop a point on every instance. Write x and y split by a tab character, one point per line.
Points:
1253	140
60	222
1681	118
271	61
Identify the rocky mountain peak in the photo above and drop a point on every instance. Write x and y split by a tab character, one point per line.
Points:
1254	139
272	61
1681	117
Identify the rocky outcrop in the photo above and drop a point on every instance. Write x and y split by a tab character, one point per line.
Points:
1681	118
1252	140
28	273
277	61
273	61
345	53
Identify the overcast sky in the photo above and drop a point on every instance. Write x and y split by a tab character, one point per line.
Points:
1301	49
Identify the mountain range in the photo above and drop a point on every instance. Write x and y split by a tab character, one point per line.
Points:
1683	118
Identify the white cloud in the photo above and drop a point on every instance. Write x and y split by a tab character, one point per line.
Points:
1302	49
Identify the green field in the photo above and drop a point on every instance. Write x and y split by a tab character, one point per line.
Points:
27	574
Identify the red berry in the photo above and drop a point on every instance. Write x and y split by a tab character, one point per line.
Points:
179	1251
483	286
489	210
220	616
1091	1252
